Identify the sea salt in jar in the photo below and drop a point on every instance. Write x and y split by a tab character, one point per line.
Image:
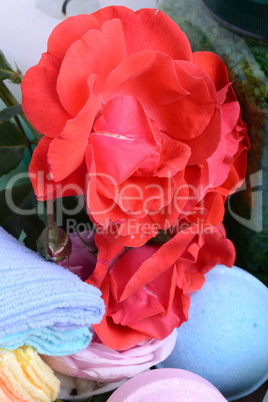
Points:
237	30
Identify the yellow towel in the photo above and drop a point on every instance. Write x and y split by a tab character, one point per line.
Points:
25	377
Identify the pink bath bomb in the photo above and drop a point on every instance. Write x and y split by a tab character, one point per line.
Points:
167	385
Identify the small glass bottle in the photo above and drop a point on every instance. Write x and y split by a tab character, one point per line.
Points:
237	30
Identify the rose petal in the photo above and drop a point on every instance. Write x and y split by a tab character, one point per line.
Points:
44	187
148	75
102	196
160	326
125	127
148	306
209	210
218	169
213	65
195	280
155	79
97	52
196	71
237	172
107	251
166	217
158	288
173	158
205	145
68	32
133	259
129	202
147	29
66	152
222	93
40	100
188	117
230	114
110	333
98	205
217	249
161	260
138	196
133	240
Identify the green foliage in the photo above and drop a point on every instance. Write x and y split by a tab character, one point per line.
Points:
18	213
12	147
10	112
6	71
18	205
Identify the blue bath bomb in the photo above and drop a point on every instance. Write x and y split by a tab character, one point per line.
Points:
225	339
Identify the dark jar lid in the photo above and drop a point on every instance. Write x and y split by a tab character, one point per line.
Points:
249	17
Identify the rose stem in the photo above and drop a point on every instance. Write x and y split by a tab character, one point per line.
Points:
50	213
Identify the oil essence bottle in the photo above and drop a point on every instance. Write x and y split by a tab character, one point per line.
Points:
237	30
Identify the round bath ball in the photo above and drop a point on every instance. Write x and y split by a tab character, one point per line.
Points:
167	385
225	339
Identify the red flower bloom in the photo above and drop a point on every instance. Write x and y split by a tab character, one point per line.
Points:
146	289
132	119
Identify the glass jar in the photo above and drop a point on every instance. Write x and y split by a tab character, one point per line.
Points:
238	31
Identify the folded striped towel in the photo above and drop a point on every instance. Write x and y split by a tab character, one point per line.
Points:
25	377
36	294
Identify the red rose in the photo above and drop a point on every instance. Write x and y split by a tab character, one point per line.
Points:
146	289
132	119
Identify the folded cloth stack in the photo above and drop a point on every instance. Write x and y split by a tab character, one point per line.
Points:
49	341
42	304
24	377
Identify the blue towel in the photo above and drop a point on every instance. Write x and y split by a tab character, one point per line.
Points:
49	341
36	294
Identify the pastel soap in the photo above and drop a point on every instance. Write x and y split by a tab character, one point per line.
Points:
167	385
225	339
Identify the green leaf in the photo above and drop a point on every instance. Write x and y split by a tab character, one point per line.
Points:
18	211
10	112
10	200
12	147
6	71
